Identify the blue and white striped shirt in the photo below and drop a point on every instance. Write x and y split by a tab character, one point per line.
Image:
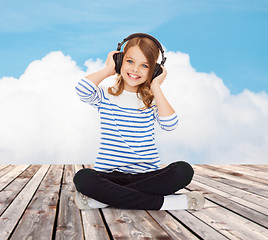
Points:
127	132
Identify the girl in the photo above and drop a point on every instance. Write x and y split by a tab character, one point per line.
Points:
127	171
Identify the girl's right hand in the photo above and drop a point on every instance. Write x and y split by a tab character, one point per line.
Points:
110	64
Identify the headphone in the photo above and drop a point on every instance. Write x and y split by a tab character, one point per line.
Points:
118	57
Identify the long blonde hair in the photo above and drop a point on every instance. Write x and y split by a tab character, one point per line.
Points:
151	52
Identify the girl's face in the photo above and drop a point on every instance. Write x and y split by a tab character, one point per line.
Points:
135	69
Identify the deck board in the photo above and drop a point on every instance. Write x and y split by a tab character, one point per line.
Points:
240	183
69	224
36	202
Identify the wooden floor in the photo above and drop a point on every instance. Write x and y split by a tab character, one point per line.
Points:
36	202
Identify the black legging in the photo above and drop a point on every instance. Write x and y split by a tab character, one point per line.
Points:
134	191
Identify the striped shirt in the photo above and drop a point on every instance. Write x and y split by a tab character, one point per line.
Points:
127	132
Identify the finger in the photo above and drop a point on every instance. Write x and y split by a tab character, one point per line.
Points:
110	56
163	68
113	52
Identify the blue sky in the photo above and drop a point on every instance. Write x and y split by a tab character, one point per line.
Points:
228	37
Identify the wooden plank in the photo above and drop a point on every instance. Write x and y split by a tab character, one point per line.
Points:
133	224
256	167
213	195
230	224
229	174
77	168
262	166
174	229
69	224
234	212
9	218
235	181
235	173
10	176
89	166
38	219
200	228
247	171
10	192
93	225
241	194
2	166
6	170
261	172
233	198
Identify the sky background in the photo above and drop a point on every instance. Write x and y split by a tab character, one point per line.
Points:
217	60
228	37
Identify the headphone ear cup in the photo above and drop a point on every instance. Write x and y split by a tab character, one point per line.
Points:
157	70
118	59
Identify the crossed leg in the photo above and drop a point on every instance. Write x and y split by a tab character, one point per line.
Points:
134	191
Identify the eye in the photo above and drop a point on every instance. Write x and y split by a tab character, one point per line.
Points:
145	66
129	61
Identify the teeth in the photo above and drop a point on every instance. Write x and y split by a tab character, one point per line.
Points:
133	76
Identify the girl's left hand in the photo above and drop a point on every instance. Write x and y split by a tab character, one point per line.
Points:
160	79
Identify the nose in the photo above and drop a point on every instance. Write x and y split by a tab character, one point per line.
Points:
135	68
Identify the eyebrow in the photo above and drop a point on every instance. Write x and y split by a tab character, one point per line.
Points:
134	59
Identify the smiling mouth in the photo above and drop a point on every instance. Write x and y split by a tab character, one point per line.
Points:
133	76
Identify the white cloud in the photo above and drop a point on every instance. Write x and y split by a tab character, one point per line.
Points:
43	121
216	127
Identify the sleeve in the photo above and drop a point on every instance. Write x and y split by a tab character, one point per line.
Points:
89	93
168	123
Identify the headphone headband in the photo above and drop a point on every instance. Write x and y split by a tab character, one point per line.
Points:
147	36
